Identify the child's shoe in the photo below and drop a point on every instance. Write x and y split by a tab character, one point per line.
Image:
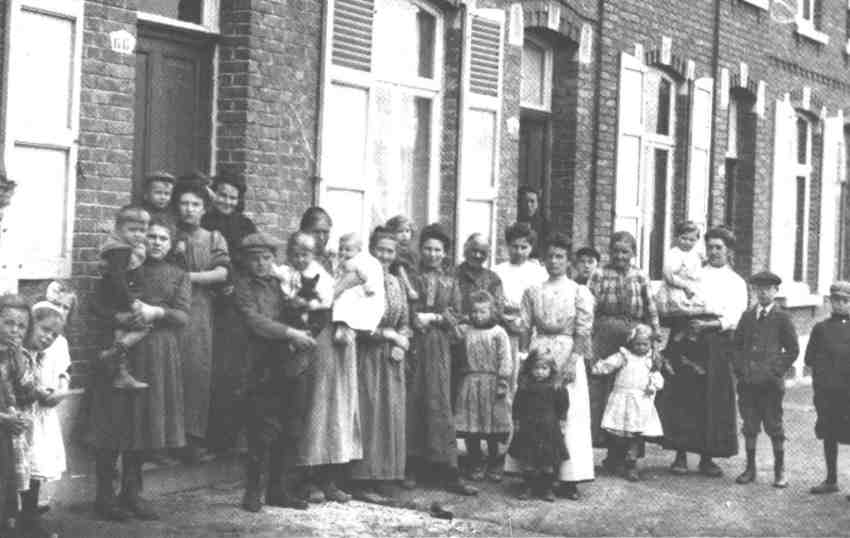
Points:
748	476
631	473
477	474
547	494
824	487
124	381
526	490
779	480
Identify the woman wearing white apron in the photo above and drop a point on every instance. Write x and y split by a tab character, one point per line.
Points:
559	315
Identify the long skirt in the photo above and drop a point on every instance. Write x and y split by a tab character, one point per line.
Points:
196	351
579	468
609	334
382	396
332	432
698	411
430	420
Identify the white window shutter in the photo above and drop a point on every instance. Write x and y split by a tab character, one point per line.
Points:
42	126
833	165
699	152
352	34
478	182
630	148
782	221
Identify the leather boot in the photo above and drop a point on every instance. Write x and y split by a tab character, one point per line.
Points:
131	488
749	474
779	480
277	491
123	380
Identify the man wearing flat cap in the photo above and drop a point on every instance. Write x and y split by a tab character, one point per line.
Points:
273	387
828	356
765	348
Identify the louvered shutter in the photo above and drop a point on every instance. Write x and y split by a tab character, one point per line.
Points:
699	151
347	116
833	168
42	126
782	221
352	34
630	149
479	173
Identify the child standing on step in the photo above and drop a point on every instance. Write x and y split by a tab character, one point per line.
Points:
630	416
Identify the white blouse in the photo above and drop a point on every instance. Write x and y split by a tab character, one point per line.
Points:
725	293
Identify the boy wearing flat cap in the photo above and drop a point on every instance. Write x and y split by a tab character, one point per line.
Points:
828	356
765	348
273	383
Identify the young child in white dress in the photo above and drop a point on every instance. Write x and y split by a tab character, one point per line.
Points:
359	291
630	416
681	293
50	363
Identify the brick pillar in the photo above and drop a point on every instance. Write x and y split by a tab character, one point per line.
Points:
105	168
269	62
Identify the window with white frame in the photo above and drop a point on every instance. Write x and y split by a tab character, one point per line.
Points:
536	81
808	20
202	14
806	11
42	128
380	124
802	179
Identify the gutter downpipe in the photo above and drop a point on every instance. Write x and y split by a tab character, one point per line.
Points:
597	102
463	13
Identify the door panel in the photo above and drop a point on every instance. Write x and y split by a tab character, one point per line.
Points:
533	157
173	104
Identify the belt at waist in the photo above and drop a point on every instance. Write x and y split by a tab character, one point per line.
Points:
540	332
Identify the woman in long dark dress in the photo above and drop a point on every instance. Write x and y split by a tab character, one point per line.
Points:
698	407
208	263
380	371
226	217
134	423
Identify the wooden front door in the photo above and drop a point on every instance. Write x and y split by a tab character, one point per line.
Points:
534	154
173	113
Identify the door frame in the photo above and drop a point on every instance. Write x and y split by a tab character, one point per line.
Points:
179	33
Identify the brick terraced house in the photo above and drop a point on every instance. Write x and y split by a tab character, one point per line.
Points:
626	114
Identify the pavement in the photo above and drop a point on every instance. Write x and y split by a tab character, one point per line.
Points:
660	505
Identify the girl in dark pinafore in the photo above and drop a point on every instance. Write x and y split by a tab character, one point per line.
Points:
539	409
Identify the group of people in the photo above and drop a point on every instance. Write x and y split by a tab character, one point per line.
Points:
351	370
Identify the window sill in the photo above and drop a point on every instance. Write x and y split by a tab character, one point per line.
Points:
807	29
761	4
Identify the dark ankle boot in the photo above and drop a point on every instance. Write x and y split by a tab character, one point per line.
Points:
547	483
631	473
131	488
680	464
123	380
779	480
106	503
749	474
255	481
526	490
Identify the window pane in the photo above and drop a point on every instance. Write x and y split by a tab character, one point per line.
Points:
533	69
402	156
42	176
802	141
184	10
807	9
346	209
476	217
480	148
405	35
800	232
44	81
664	96
659	214
347	109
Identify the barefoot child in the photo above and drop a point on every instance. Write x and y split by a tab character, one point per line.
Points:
539	413
482	407
359	291
828	355
630	416
124	253
50	365
765	348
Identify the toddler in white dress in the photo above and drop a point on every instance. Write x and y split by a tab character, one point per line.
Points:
359	291
630	415
681	293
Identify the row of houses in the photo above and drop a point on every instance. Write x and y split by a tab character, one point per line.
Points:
625	114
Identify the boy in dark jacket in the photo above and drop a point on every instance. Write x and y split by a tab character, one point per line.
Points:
273	381
765	348
828	355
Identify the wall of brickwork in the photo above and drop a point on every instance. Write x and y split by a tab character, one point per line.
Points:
452	51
